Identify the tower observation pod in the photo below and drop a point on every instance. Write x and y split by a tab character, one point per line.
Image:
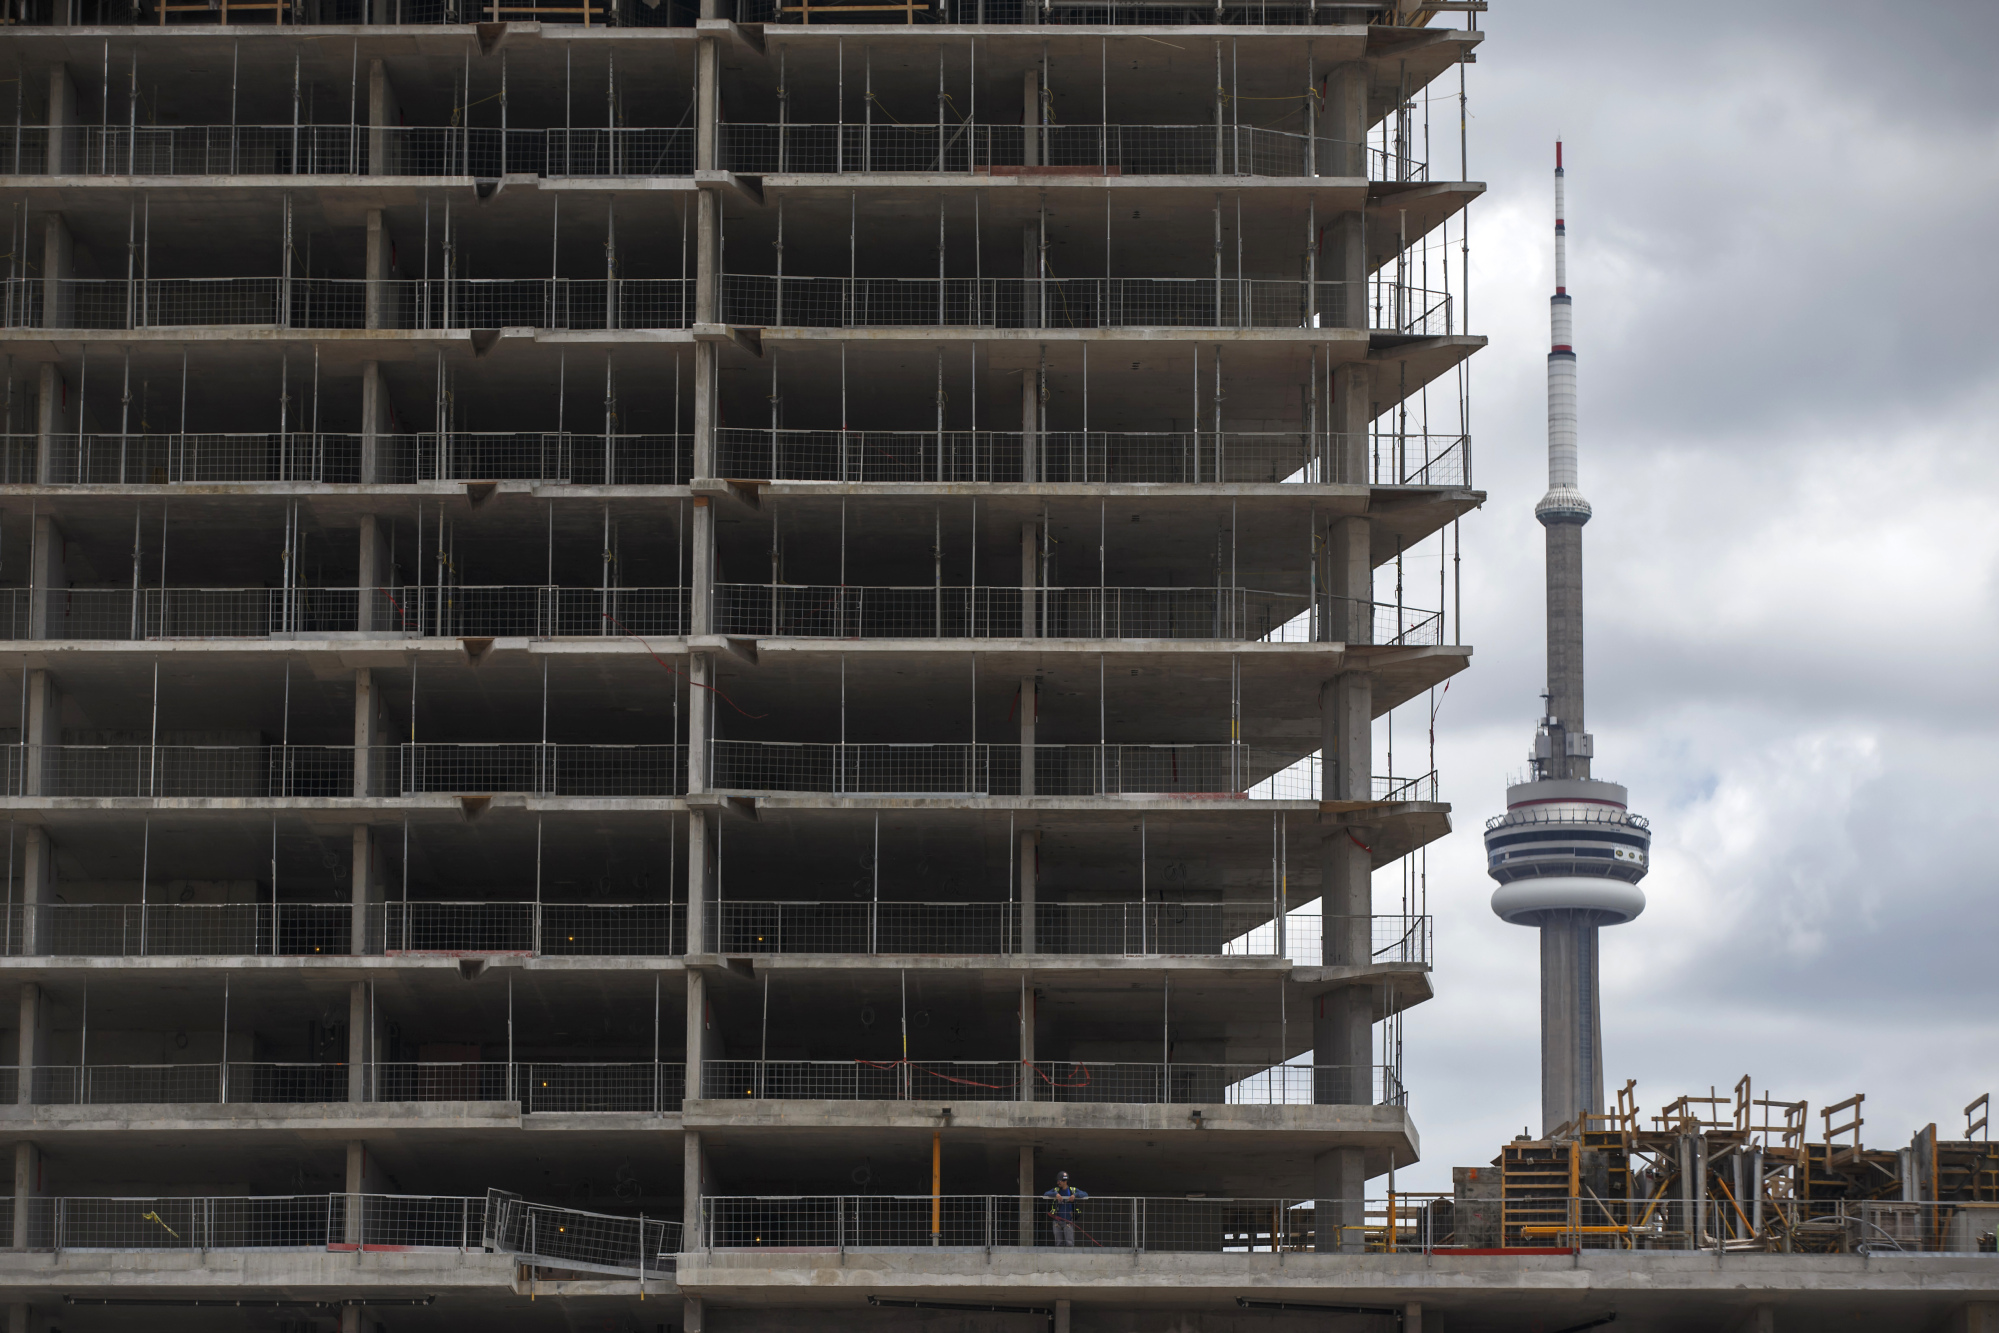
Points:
1568	853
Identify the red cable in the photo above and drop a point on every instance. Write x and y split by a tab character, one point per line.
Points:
1358	843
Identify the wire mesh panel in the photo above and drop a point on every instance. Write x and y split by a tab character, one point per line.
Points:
1116	150
575	1239
635	1086
864	927
181	929
861	1080
1132	928
613	929
193	770
283	1222
592	458
564	770
164	459
416	1221
1387	939
458	927
442	1081
831	767
537	612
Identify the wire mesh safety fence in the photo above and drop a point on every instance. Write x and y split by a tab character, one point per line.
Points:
158	771
1047	1081
1100	457
1300	781
981	769
862	927
203	1083
449	611
936	611
1134	929
545	929
548	769
828	302
1329	619
656	458
572	1238
102	458
1356	940
1112	150
484	151
352	303
116	930
893	1222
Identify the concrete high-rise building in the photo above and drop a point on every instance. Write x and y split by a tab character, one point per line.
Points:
1568	853
665	657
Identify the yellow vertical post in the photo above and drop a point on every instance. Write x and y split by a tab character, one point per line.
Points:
936	1188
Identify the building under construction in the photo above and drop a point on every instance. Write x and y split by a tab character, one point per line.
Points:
591	752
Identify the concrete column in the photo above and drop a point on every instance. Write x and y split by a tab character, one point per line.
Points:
44	732
379	267
1030	582
1030	272
1972	1317
700	717
1030	863
1028	710
696	1036
1028	1194
693	1316
58	265
1571	1025
48	574
1412	1318
1030	420
364	1176
377	421
361	1023
38	890
1026	1020
1350	580
367	929
1344	151
28	1051
54	423
1348	417
698	929
1030	115
65	137
693	1188
701	575
1061	1316
1339	1187
30	1183
372	777
373	614
708	102
17	1317
707	283
384	113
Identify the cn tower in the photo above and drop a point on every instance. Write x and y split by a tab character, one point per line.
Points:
1568	853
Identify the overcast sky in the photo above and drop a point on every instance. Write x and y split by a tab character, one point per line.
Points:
1781	253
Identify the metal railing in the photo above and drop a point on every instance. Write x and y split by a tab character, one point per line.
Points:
960	1221
346	150
1300	781
1085	303
1133	929
1097	457
256	1222
1047	1081
1111	150
549	769
540	1087
157	458
1094	13
935	611
1386	939
545	929
256	613
571	1238
353	303
982	769
124	930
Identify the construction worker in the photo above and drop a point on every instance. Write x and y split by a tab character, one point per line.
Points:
1062	1209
